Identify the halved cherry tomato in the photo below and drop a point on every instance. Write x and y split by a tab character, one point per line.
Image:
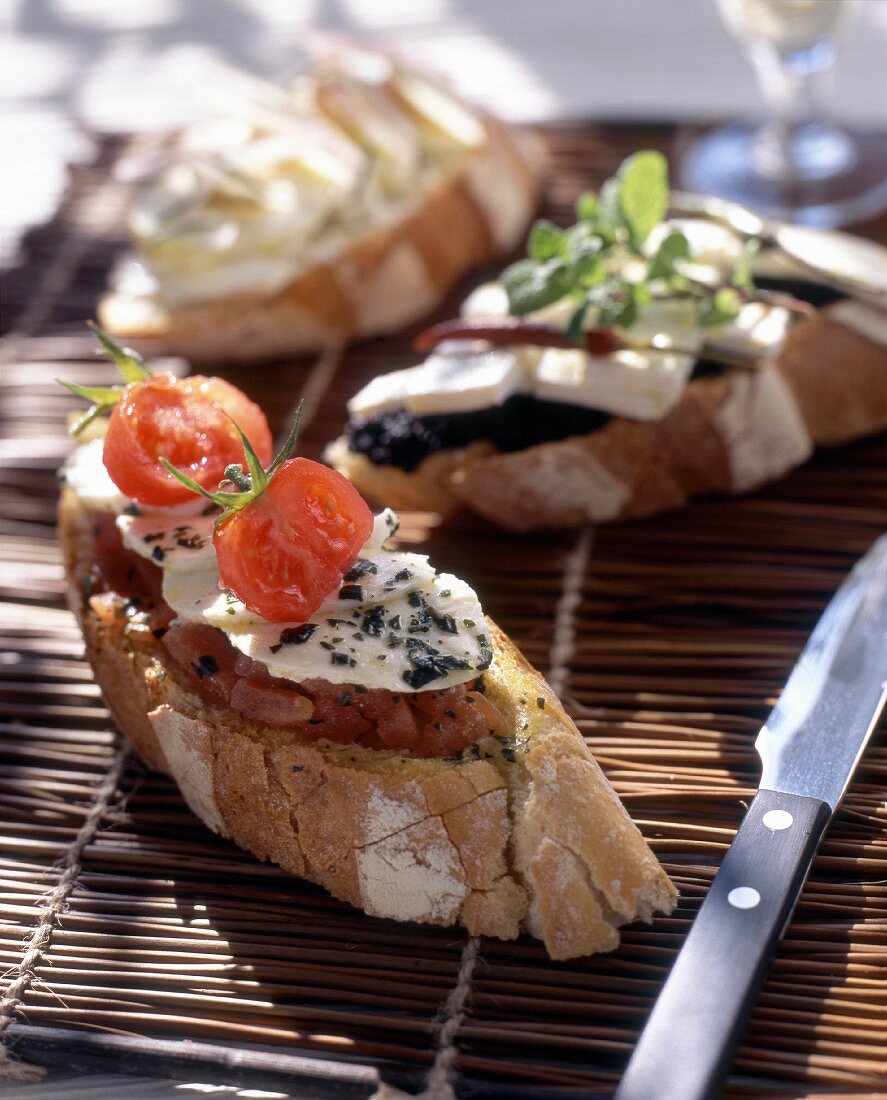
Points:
183	420
285	552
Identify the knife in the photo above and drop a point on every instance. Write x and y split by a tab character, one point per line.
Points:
809	747
851	265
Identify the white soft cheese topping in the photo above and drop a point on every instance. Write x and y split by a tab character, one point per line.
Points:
291	179
424	632
457	378
176	543
866	320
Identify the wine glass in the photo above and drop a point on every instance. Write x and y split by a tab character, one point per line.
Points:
796	164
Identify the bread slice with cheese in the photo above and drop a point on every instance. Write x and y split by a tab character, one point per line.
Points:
729	434
344	208
522	833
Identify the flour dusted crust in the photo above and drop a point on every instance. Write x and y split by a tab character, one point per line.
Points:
378	284
498	844
727	434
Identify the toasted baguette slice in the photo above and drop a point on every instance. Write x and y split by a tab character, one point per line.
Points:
380	282
533	838
727	434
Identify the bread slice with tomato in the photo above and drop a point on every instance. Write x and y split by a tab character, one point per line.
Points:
341	208
448	787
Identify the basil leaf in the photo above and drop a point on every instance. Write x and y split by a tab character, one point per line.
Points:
588	207
611	214
583	247
545	241
674	247
615	303
643	194
722	308
532	285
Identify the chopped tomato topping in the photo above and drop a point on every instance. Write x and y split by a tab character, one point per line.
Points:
188	422
407	722
285	551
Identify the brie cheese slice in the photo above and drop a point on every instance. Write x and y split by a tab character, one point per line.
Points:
459	377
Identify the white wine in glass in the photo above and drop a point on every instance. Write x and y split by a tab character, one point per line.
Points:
796	164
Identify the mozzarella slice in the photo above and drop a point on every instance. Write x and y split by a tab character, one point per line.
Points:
385	525
459	377
758	327
84	472
640	385
864	319
376	577
177	543
417	636
426	640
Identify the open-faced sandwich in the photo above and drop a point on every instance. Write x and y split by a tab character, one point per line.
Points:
329	702
628	364
342	207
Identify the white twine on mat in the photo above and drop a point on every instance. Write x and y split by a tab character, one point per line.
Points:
439	1084
563	643
12	1069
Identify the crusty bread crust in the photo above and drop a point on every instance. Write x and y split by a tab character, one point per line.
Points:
535	839
727	434
380	283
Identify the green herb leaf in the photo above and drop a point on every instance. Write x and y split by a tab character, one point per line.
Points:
588	207
643	194
723	307
545	241
615	303
583	247
532	285
674	248
575	329
741	277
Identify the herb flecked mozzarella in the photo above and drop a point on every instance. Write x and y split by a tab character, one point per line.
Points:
84	472
175	542
376	577
414	638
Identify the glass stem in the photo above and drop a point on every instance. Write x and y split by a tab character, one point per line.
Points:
795	87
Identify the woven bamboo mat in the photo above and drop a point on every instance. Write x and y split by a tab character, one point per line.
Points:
123	920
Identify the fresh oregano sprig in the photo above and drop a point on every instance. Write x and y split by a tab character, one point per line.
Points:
601	266
103	398
248	484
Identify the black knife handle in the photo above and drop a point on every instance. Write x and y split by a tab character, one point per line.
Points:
687	1047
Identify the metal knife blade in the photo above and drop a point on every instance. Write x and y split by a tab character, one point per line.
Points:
810	747
852	265
830	705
